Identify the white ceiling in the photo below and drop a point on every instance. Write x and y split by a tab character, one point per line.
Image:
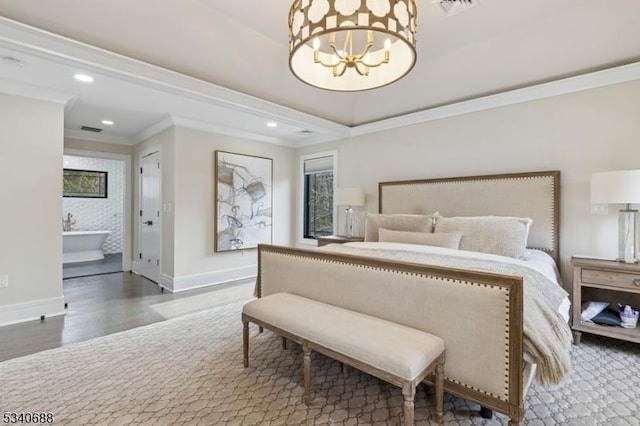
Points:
497	46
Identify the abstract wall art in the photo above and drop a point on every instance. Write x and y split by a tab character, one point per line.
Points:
243	196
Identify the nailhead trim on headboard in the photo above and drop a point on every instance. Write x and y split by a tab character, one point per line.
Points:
519	197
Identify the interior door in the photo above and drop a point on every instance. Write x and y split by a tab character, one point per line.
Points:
150	217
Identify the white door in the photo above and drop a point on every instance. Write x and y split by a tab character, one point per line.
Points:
150	217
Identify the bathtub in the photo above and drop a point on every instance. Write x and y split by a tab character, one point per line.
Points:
83	246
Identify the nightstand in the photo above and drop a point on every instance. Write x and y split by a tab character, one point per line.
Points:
606	281
337	239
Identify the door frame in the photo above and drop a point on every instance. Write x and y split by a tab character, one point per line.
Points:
136	260
127	246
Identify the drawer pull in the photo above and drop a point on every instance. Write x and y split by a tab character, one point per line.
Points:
636	282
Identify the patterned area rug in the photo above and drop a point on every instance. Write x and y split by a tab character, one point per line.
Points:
188	370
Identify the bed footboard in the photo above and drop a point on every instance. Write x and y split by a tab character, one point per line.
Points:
478	314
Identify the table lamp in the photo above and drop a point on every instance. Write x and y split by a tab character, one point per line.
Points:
620	187
349	197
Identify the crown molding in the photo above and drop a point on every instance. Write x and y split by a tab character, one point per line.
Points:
54	47
97	137
593	80
154	129
228	131
62	49
174	121
15	88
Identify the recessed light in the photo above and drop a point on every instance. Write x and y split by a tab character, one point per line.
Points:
272	124
107	122
83	78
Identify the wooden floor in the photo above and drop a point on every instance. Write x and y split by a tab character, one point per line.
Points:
96	306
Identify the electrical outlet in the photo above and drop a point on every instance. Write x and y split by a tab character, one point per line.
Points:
600	209
4	281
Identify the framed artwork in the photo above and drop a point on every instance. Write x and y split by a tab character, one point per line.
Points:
243	196
84	183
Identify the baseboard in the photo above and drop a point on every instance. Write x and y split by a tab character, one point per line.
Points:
225	276
30	311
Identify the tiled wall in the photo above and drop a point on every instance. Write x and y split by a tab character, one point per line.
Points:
99	214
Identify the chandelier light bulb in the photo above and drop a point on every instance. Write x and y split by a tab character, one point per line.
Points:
316	43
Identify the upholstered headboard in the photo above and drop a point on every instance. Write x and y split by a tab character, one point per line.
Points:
534	195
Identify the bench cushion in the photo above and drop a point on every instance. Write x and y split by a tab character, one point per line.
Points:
402	351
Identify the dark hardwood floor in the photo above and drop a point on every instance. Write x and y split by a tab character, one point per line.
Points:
96	306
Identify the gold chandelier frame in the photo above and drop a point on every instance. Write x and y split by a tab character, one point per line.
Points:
347	66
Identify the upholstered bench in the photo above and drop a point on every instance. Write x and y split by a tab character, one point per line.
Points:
394	353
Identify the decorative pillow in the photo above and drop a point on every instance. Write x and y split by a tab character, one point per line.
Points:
396	222
443	239
501	235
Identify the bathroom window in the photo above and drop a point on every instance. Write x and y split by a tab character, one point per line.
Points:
84	184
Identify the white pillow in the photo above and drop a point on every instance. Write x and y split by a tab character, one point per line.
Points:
443	239
501	235
396	222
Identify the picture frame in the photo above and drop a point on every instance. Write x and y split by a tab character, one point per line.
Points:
243	201
77	183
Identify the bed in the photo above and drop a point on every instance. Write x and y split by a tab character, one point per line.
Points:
475	301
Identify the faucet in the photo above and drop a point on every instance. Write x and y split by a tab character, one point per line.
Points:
66	223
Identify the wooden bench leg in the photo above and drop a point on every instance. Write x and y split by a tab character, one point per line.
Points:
440	389
408	408
260	329
307	372
245	342
284	343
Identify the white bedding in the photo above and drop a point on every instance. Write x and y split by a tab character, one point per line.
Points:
536	259
554	336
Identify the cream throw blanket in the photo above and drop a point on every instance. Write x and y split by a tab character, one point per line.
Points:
547	336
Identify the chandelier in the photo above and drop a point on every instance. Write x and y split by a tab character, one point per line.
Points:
351	45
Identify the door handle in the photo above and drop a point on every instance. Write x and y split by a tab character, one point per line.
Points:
148	222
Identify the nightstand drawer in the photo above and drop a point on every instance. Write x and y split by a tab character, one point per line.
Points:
622	280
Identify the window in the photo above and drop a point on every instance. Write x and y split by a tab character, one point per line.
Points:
84	184
317	194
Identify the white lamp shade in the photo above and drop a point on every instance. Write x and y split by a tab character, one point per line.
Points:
619	187
349	197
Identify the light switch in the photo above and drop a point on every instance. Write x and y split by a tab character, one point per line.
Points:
4	281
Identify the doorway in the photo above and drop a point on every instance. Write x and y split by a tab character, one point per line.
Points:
94	226
150	220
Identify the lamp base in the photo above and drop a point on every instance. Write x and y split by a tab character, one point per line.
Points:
628	236
349	215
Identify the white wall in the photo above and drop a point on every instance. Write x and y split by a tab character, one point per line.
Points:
31	141
99	214
578	134
196	263
187	164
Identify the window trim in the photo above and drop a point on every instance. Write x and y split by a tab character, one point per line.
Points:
300	228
